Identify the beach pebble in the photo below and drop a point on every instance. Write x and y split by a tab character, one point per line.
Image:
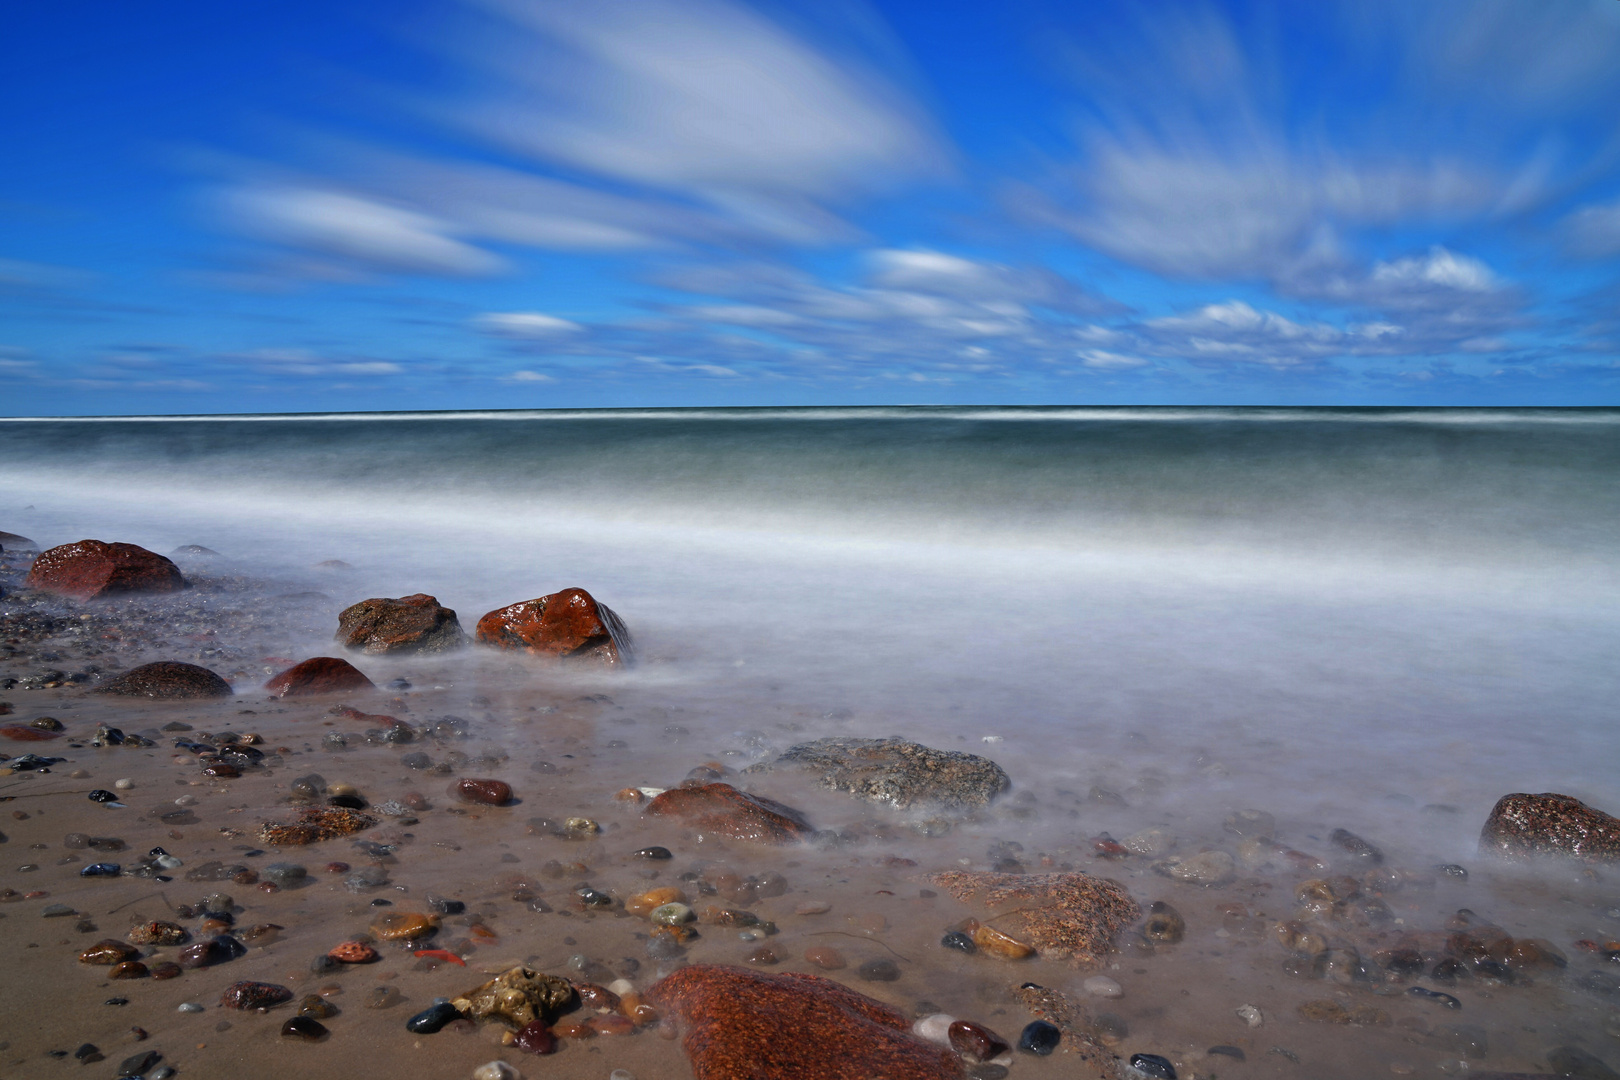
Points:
1104	987
825	957
1205	868
654	852
496	1070
139	1064
190	1007
536	1037
673	914
1002	946
168	969
381	997
108	952
880	970
1164	924
813	907
304	1027
935	1027
353	952
648	902
284	873
124	784
316	1007
1152	1066
1250	1015
254	995
485	792
433	1018
975	1041
1149	842
1039	1038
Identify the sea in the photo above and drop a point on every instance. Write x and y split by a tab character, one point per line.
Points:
1373	619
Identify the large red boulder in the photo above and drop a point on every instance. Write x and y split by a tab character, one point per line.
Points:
742	1025
319	675
721	808
568	624
1523	825
167	680
409	624
93	568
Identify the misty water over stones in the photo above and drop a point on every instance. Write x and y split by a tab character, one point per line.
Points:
896	772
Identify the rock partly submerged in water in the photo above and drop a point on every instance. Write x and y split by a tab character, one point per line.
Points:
517	998
324	823
167	680
408	624
1522	826
10	541
721	808
1071	915
568	624
319	675
897	772
91	569
744	1024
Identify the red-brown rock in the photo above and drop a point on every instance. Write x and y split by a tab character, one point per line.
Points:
319	675
93	568
21	733
975	1041
488	792
741	1025
722	809
409	624
537	1038
568	624
167	680
1521	826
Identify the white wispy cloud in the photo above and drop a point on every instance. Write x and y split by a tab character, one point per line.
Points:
527	325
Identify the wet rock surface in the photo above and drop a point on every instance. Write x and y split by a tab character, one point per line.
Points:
319	675
516	998
741	1025
721	808
94	569
167	680
568	624
1065	915
408	624
1521	826
897	772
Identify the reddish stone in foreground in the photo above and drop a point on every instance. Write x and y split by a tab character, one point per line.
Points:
744	1024
567	624
723	809
409	624
1523	825
319	675
21	733
167	680
254	995
537	1038
93	568
488	792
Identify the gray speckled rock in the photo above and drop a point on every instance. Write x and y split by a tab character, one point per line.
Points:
897	772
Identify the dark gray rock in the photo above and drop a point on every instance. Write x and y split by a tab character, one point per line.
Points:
897	772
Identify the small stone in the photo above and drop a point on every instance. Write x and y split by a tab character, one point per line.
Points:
433	1018
825	957
123	784
1250	1015
517	998
101	869
190	1007
1040	1038
1102	986
485	792
1359	850
1002	946
881	970
254	995
139	1064
1247	823
975	1041
495	1070
646	903
381	997
404	926
1206	868
304	1027
168	969
672	915
353	952
316	1007
1234	1052
129	969
959	941
108	952
654	852
536	1038
1164	924
763	955
159	933
1153	1066
812	907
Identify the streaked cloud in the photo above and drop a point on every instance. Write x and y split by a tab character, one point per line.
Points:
526	325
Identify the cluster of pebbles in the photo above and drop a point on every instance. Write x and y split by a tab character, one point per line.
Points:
205	884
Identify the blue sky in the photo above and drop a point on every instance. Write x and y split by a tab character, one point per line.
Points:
529	204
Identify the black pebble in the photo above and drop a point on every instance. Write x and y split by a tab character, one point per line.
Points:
323	963
1039	1038
304	1027
347	802
879	971
88	1052
1228	1051
139	1064
398	684
1434	995
432	1019
1154	1066
654	853
102	795
959	941
116	1001
101	869
1453	870
446	907
380	902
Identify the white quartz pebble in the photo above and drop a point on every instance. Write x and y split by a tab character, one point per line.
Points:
935	1028
1104	987
496	1070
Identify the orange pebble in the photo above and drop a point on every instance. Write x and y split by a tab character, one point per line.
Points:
353	952
610	1024
572	1027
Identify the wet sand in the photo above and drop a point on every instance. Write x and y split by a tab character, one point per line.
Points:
567	741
